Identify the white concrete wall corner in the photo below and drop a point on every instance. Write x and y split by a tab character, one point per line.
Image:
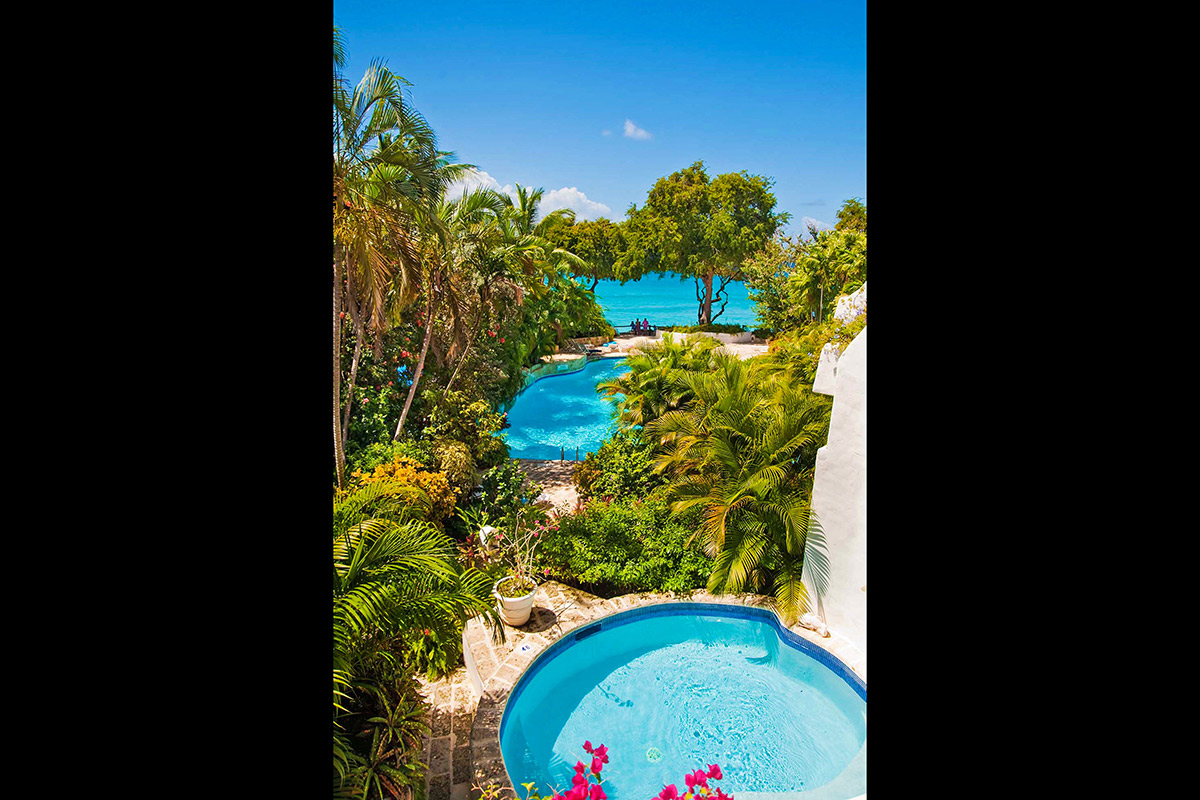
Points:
839	495
826	378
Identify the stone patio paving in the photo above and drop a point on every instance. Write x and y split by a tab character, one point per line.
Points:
452	701
557	610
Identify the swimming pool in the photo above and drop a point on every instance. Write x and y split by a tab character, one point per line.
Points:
674	687
563	411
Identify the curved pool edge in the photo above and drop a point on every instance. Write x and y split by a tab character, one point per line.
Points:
496	669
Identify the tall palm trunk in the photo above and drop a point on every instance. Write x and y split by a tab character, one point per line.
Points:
339	453
357	314
412	390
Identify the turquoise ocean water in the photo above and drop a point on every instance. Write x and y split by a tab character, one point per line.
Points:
665	300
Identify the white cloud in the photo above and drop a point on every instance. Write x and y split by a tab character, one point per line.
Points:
567	197
634	132
816	223
472	181
577	201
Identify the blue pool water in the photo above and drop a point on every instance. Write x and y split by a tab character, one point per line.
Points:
665	300
563	411
699	684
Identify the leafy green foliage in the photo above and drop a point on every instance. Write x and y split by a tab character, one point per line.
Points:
710	328
740	452
506	494
698	227
623	467
852	216
393	574
625	546
650	388
795	283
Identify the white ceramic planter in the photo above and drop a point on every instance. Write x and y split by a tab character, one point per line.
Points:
514	610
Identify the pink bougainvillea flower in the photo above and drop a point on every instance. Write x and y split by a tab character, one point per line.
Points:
579	768
701	778
597	765
715	772
587	746
669	793
722	796
602	753
546	571
597	793
690	780
579	780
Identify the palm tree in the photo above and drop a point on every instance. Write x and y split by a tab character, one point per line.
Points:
651	388
392	572
385	166
736	451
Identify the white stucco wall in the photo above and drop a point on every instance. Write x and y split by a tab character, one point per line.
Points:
840	490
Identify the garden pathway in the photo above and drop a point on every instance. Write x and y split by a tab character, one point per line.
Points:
555	478
451	703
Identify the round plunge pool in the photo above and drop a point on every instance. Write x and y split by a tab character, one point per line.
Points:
674	687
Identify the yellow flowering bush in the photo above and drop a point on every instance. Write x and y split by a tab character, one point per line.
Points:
410	472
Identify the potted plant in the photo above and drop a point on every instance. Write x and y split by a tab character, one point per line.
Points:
515	590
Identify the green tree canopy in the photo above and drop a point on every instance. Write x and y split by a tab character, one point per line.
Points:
599	243
852	216
701	228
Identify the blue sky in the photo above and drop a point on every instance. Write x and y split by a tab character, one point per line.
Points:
593	102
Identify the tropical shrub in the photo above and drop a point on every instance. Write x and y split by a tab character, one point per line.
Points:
799	352
454	460
740	453
368	458
471	421
622	467
624	546
716	327
505	493
407	472
650	388
394	573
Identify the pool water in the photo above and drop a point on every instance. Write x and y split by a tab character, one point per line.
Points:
563	411
679	691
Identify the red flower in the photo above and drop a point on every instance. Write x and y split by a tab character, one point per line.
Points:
501	340
597	793
669	793
597	765
602	753
587	746
579	767
715	772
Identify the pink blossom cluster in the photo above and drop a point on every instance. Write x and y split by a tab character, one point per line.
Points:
697	786
582	787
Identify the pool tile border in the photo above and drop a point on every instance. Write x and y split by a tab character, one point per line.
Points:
495	668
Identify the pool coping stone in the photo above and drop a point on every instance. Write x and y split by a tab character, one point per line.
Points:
494	668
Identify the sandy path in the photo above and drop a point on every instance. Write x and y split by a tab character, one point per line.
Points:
555	478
